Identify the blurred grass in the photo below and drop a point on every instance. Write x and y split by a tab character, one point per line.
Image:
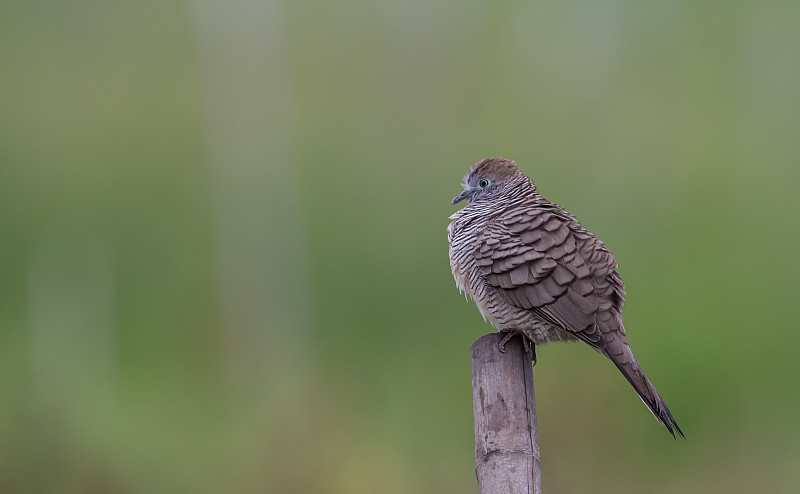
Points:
223	260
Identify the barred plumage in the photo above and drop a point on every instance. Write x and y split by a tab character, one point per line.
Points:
533	269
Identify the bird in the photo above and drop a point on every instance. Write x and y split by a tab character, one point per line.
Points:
533	270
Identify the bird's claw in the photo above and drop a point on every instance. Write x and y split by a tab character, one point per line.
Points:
530	348
502	345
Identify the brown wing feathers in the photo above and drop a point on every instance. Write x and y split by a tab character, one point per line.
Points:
541	266
543	260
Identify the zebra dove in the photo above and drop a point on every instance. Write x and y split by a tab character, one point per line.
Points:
533	270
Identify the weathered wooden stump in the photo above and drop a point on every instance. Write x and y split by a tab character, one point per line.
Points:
506	442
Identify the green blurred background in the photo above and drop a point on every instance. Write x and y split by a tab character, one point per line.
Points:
223	258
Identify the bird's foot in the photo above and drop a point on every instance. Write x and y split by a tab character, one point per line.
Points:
530	347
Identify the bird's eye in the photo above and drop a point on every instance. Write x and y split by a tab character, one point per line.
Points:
483	183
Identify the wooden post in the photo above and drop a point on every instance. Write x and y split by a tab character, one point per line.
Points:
506	442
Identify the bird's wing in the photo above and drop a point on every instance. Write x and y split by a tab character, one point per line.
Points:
542	259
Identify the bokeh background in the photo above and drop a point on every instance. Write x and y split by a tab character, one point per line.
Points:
223	258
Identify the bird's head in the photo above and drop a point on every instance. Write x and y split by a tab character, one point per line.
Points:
488	178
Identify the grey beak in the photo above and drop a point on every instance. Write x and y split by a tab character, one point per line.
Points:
460	197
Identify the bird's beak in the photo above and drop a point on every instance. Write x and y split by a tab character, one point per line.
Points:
460	197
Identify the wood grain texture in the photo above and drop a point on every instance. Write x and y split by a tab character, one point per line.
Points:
506	442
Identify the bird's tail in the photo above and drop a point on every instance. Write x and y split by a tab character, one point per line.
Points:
633	372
